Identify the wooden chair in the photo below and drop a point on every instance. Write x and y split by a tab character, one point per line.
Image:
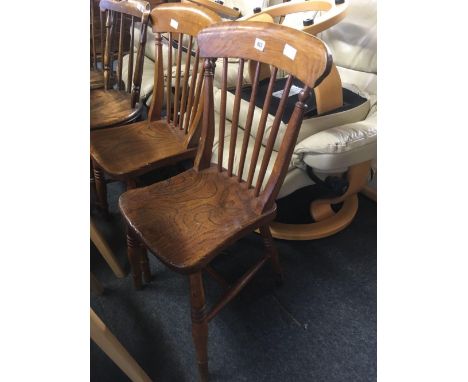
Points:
110	345
118	105
187	220
126	152
97	46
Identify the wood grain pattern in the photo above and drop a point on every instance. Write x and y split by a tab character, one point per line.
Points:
132	150
311	63
96	80
111	107
189	218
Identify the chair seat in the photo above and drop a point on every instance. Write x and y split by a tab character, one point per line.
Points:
132	150
186	220
96	80
111	107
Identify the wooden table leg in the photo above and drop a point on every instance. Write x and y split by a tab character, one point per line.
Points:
110	345
104	249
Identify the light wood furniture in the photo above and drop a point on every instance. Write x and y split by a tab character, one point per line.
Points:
129	151
218	8
110	345
105	251
187	220
327	221
115	105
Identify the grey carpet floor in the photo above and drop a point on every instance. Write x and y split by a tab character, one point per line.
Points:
319	326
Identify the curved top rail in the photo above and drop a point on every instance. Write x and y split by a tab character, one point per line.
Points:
220	9
333	13
130	7
184	18
304	56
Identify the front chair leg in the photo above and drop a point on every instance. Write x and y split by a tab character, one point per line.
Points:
133	251
199	323
271	249
143	256
144	264
101	188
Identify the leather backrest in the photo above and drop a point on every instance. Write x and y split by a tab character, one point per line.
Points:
353	41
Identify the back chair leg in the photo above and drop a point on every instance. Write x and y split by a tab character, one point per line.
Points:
199	323
133	251
273	252
142	254
144	265
101	188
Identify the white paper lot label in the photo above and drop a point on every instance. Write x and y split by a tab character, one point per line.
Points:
293	91
174	24
259	44
290	51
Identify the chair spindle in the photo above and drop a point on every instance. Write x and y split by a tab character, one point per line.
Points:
235	117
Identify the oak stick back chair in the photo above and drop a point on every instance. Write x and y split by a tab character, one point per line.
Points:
97	46
187	220
127	152
116	104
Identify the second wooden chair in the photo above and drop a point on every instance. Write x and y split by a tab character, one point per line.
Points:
114	104
127	152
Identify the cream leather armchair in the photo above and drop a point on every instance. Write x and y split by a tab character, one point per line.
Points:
339	136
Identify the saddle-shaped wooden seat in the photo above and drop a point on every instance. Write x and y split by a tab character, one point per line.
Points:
112	107
191	217
132	150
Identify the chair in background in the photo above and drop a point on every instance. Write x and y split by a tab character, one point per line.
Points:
120	103
110	345
336	158
187	220
127	152
97	46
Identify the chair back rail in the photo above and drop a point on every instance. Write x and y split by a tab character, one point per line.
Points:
120	22
333	13
300	55
97	24
176	26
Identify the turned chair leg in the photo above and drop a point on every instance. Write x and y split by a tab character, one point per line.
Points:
199	323
101	188
273	252
143	256
144	265
133	251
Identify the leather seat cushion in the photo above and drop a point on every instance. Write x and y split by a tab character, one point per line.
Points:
339	147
